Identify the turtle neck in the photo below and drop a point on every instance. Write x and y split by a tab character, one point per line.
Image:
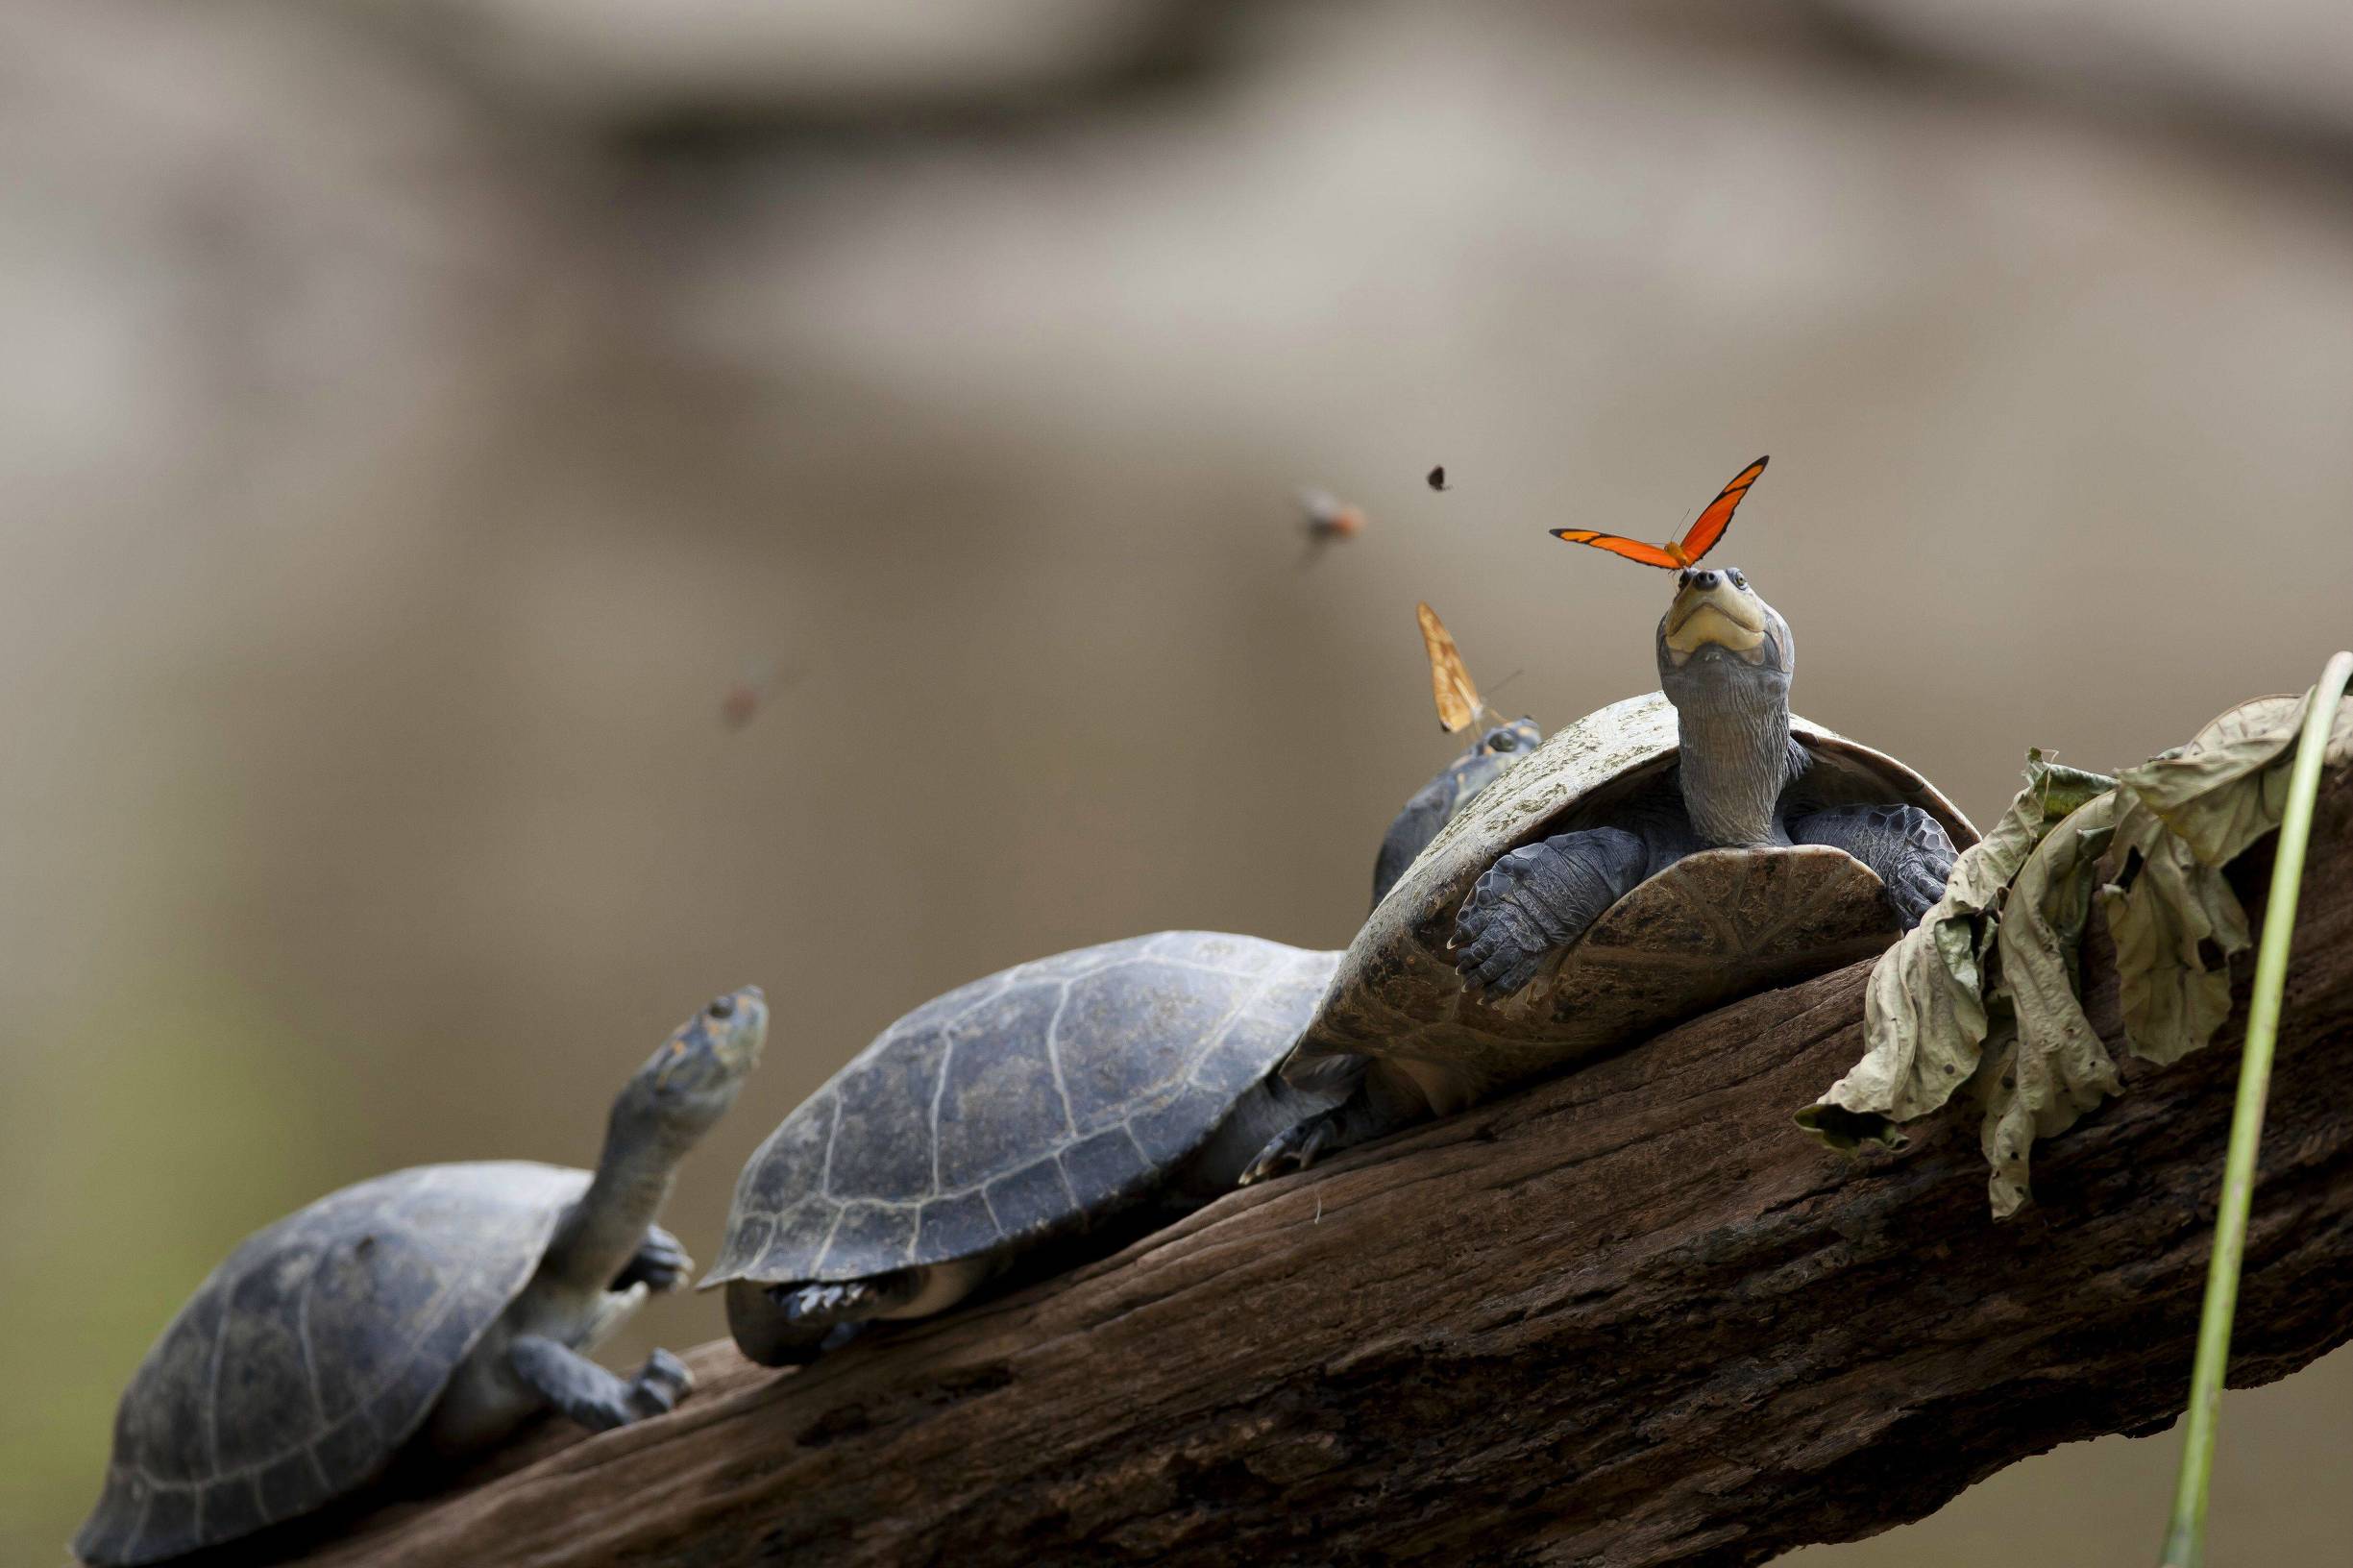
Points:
1735	752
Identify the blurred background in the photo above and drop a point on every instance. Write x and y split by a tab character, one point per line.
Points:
516	516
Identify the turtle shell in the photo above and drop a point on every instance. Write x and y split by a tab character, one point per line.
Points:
1712	927
1019	1106
315	1351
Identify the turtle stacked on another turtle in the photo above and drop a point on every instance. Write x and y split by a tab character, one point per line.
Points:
1653	860
1029	1120
1438	802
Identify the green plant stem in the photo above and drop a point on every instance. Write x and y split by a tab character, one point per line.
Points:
2185	1541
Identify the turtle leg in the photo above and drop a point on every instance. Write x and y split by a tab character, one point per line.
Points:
1377	1103
792	1324
823	1305
660	1263
587	1393
1904	846
1538	898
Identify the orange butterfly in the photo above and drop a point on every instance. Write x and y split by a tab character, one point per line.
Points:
1459	703
1698	540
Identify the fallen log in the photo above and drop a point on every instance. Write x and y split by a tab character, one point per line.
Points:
1630	1317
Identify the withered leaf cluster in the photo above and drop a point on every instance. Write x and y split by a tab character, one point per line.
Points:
1985	993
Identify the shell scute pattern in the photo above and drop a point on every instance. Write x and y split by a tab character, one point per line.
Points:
317	1349
1253	1038
1566	764
808	1227
956	1226
283	1485
1133	1033
866	1228
776	1184
1100	1167
1029	1200
1019	1104
261	1364
869	1123
1169	1131
1000	1078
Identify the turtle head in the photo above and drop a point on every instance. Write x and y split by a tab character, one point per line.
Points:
1510	741
1719	638
691	1081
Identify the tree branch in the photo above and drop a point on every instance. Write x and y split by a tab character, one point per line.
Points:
1630	1317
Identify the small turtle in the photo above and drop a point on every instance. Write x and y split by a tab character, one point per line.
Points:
432	1308
1438	802
1652	861
1068	1101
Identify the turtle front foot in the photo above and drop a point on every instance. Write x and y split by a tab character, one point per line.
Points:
1904	846
661	1264
1294	1149
587	1393
1537	900
659	1384
816	1305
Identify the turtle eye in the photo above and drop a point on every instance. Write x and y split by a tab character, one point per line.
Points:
1503	740
1738	582
722	1008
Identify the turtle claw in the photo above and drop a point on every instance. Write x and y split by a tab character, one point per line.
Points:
1502	976
659	1384
1293	1149
1494	961
1905	847
1499	946
661	1263
1912	897
1532	905
820	1304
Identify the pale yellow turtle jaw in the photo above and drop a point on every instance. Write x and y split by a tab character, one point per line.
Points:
1723	616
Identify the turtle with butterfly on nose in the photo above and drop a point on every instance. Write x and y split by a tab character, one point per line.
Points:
1655	859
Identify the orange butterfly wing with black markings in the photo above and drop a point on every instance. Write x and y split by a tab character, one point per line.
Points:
1703	534
1634	549
1449	683
1697	541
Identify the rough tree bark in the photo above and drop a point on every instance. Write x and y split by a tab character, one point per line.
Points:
1630	1317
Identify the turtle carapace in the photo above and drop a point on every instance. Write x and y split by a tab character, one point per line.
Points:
1650	861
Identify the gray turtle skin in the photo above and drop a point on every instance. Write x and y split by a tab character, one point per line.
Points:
1042	1105
1660	857
1438	802
430	1310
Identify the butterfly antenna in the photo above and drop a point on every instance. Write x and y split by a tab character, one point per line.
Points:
1488	707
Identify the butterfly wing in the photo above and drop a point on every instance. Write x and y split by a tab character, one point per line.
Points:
1703	534
1457	700
1634	549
